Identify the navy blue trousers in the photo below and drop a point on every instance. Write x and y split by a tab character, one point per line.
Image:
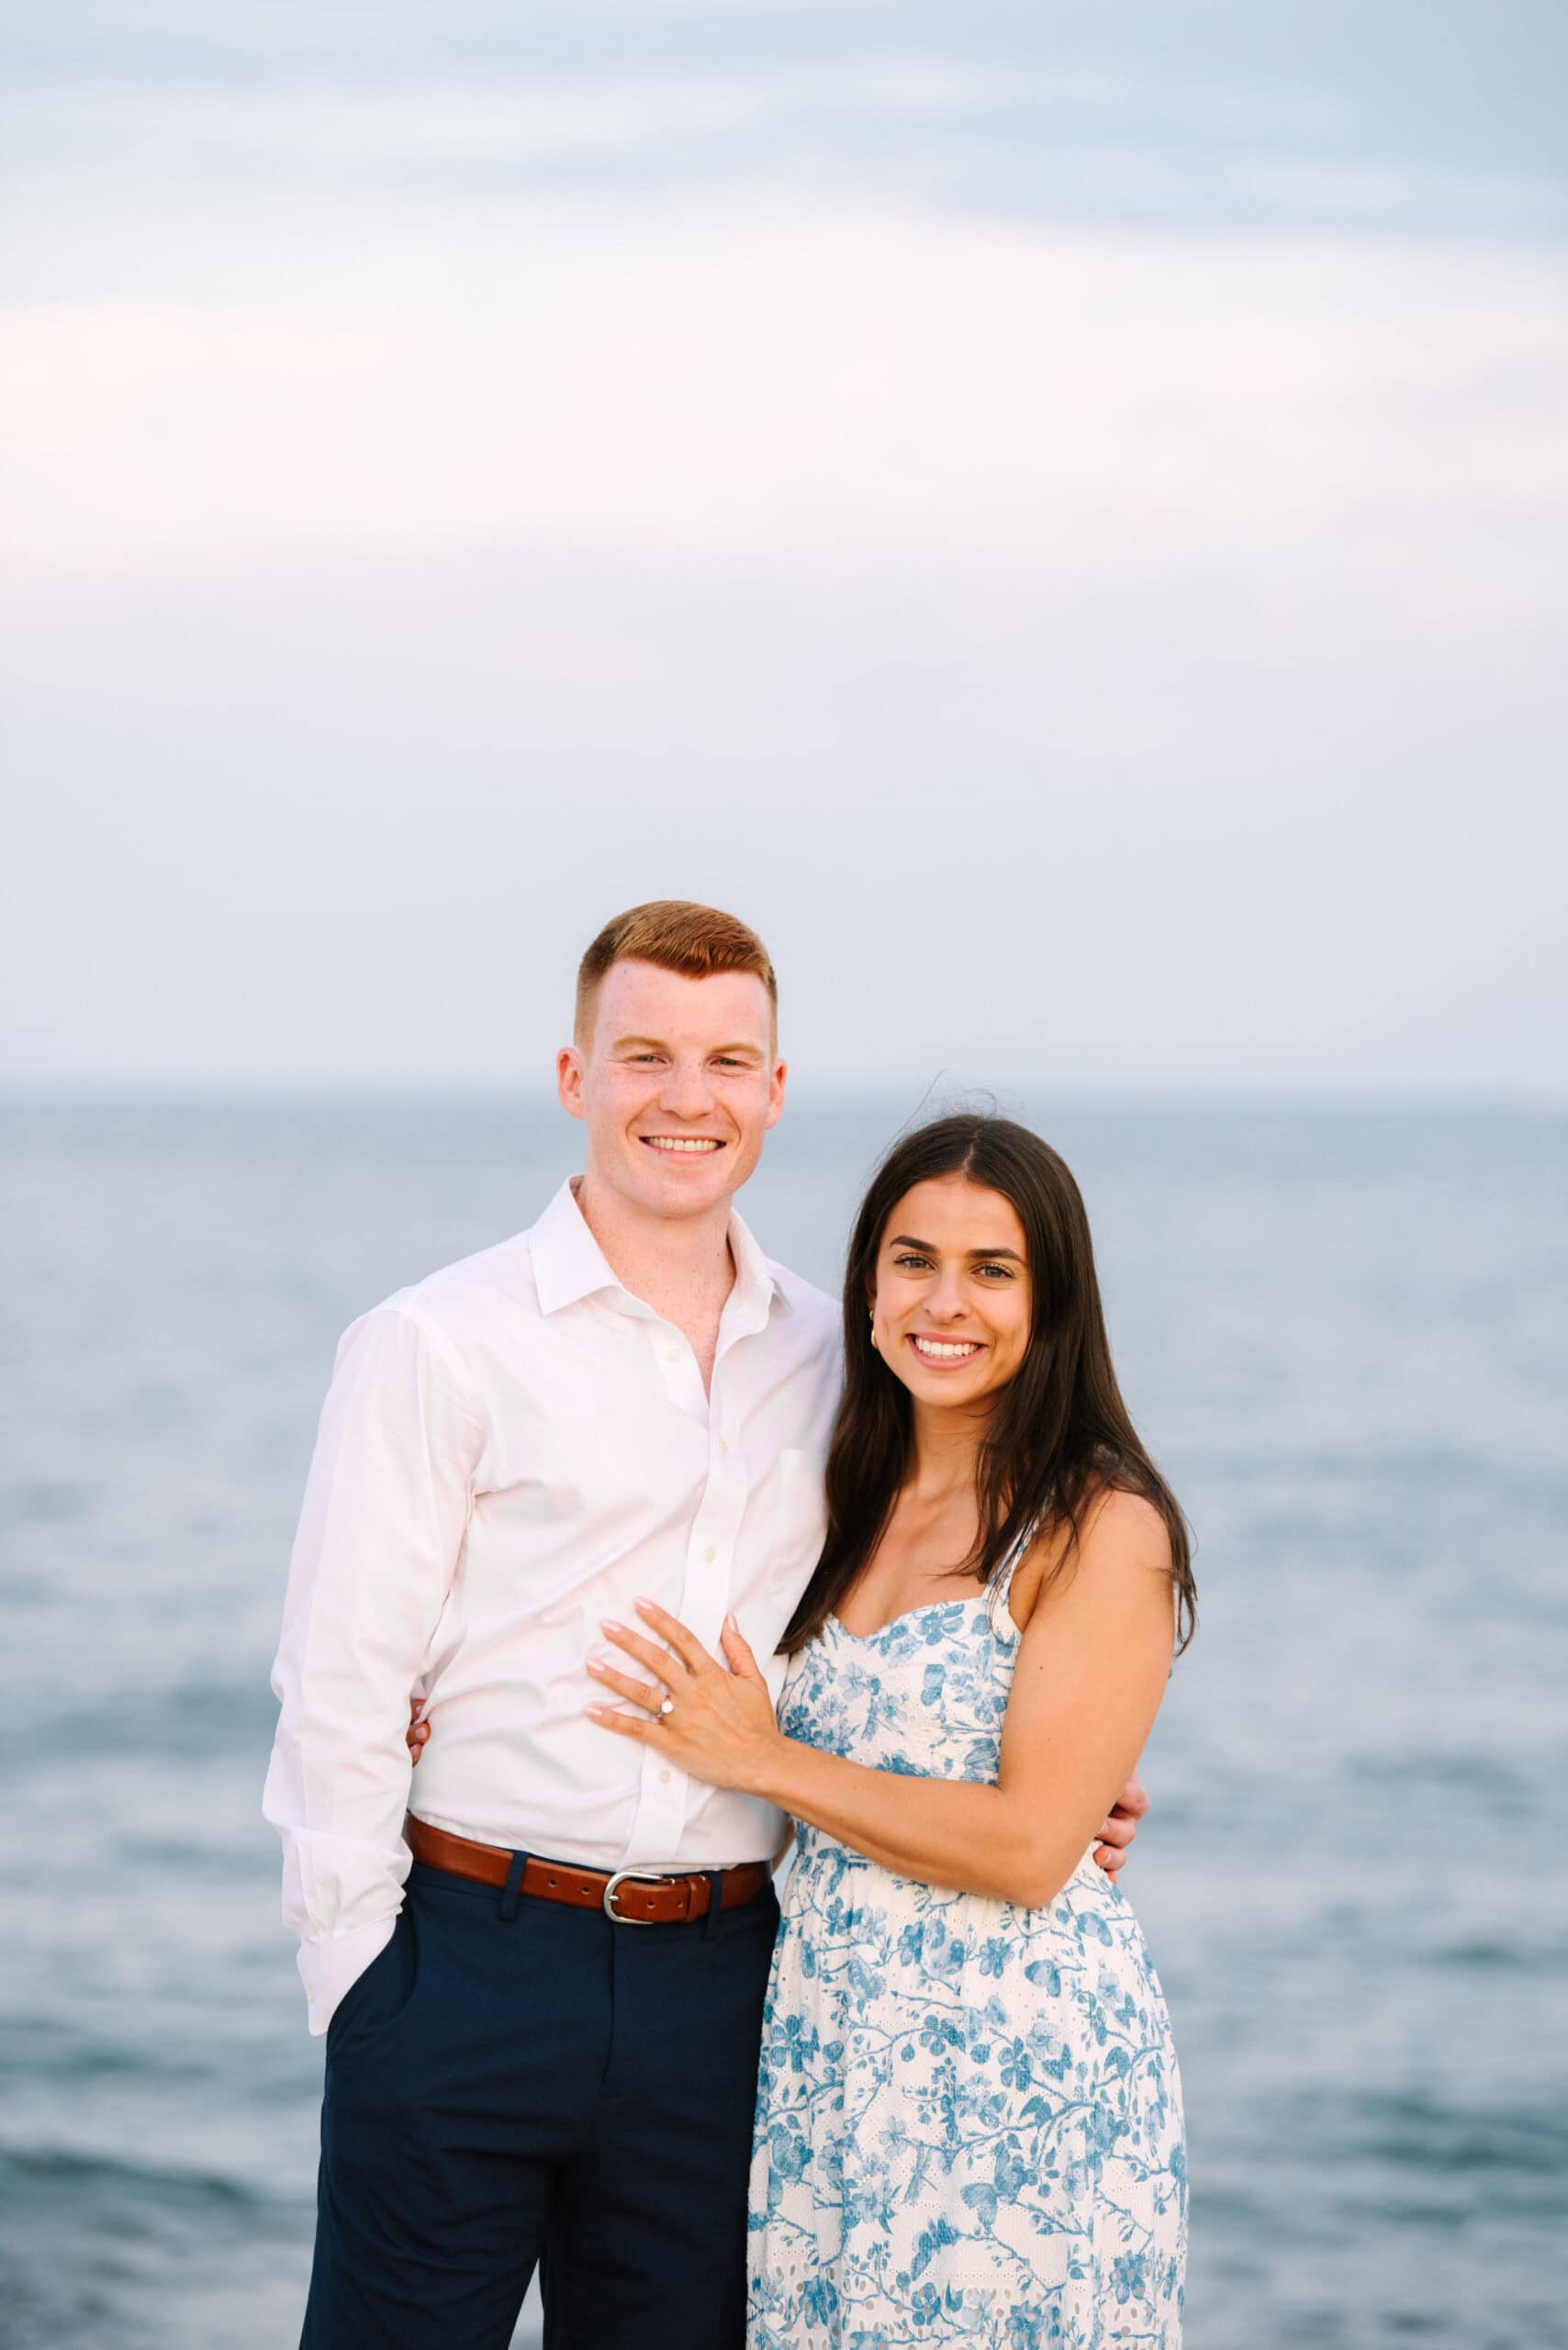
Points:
543	2087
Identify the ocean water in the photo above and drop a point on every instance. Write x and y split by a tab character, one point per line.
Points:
1345	1335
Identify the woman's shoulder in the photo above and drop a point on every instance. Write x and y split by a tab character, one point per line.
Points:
1117	1531
1114	1517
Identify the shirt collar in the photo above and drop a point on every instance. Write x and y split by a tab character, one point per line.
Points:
757	1283
569	1264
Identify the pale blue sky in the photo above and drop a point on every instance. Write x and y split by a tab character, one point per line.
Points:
1059	516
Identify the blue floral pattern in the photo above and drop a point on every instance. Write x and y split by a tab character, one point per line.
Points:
969	2123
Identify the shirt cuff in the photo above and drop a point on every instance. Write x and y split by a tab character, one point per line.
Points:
328	1968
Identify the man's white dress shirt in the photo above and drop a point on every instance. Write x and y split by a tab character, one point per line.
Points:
509	1451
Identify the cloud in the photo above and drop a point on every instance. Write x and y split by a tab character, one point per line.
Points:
401	571
887	388
1240	117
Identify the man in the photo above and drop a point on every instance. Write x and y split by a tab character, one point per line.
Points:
543	1996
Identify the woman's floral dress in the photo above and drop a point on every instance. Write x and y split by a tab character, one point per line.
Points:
968	2124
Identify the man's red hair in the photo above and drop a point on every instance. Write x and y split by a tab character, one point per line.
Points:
677	935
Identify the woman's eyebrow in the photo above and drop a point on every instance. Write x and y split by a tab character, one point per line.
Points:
928	1247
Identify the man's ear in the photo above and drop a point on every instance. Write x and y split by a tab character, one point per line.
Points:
776	1092
569	1081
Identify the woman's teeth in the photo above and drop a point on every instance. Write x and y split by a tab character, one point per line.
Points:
947	1350
676	1142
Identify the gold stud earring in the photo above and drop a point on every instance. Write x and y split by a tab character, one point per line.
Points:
875	1347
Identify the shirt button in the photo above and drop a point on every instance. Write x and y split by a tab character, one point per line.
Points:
675	1354
709	1554
663	1778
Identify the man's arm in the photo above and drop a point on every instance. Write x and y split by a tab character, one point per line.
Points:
1120	1826
380	1533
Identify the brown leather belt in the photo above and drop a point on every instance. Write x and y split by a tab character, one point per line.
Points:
629	1895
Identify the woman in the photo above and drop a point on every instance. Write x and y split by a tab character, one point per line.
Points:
969	2114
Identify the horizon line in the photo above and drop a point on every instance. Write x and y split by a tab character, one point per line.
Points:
838	1093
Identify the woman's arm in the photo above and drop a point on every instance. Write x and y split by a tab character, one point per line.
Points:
1091	1668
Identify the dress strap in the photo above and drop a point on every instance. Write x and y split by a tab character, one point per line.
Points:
1000	1585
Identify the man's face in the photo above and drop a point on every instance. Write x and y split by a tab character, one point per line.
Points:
677	1085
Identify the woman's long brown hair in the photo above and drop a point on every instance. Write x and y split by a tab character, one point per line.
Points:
1060	1433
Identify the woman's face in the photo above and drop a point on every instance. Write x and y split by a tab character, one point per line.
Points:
950	1311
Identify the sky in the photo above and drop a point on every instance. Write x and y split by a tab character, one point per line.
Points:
1058	516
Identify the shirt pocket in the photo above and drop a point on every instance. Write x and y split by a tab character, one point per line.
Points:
796	1529
799	1519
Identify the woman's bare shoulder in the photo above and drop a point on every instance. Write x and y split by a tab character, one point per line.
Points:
1128	1524
1117	1531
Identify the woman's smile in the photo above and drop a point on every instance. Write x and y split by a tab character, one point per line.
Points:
943	1352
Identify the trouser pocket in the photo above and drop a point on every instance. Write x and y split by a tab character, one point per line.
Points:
376	2000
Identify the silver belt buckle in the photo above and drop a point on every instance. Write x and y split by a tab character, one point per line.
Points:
639	1877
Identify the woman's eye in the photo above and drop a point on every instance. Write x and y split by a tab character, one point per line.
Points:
1002	1272
912	1264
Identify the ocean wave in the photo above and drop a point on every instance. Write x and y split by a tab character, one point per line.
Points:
1416	2132
42	2172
